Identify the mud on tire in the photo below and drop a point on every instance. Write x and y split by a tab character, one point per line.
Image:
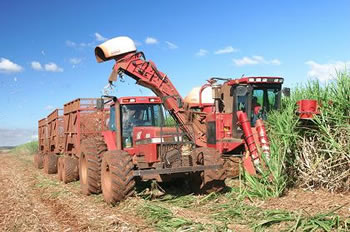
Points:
69	169
90	165
117	176
209	180
38	161
50	163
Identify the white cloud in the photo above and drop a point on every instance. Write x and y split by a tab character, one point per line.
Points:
171	45
275	62
228	49
244	61
7	66
202	52
99	37
325	72
255	60
260	59
36	66
151	40
52	67
78	45
75	60
70	43
49	107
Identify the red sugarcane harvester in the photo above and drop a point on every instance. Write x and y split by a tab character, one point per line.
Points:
231	123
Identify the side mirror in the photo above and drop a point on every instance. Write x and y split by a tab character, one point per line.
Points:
286	92
100	104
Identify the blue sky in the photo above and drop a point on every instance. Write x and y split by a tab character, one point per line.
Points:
47	47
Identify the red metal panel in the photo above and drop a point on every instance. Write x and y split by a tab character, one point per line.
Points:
146	140
55	131
110	138
139	100
307	108
43	136
82	120
254	79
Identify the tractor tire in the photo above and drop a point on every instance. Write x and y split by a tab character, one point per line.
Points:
209	180
50	163
70	170
90	165
117	178
59	168
38	161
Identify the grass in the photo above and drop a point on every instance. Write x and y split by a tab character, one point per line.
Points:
261	219
164	220
229	211
314	154
27	148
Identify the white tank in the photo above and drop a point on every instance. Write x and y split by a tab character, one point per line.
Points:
193	96
114	47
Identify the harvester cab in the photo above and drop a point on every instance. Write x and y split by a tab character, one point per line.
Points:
132	119
255	96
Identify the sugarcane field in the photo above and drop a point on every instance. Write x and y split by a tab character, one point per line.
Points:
202	116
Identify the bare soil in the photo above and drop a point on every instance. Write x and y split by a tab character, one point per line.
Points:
33	201
311	202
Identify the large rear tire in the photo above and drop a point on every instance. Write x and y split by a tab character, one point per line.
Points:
50	163
90	165
70	170
117	178
209	180
38	161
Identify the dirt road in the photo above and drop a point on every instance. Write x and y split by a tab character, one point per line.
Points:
33	201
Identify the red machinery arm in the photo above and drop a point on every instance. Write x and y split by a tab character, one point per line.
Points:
146	74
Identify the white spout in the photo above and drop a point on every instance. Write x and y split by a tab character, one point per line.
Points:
113	48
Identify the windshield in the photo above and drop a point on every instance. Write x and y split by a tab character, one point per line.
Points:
263	101
265	98
139	115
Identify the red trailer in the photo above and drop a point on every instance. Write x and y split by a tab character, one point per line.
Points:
43	136
81	120
43	141
55	131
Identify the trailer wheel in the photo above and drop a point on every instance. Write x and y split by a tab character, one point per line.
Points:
50	163
210	180
90	165
38	161
59	168
70	171
117	176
